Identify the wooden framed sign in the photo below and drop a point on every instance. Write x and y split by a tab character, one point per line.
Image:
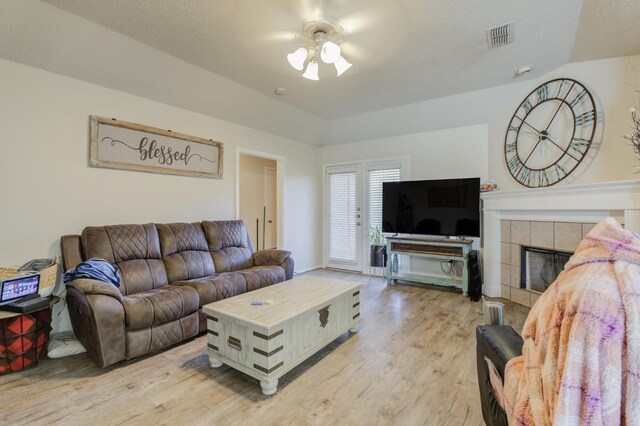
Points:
121	145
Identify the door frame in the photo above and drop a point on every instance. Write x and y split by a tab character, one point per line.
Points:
274	170
280	189
363	201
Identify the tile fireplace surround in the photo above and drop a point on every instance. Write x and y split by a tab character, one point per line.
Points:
556	217
563	236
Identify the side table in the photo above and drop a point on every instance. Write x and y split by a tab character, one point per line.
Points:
23	337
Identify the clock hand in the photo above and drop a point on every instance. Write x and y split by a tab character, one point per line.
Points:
529	156
560	106
529	125
566	151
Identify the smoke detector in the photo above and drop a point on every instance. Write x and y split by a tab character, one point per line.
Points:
500	35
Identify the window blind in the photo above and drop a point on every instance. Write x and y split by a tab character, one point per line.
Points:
342	217
375	178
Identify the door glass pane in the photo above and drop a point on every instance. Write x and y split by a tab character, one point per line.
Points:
375	180
342	217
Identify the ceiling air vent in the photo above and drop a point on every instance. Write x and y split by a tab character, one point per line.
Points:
500	35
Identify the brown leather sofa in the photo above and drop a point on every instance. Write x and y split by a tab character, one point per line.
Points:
168	272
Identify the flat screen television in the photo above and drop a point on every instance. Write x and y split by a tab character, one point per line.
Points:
449	207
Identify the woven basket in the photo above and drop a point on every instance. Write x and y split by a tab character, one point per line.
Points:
48	276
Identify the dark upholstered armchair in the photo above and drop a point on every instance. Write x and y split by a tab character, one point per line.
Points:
499	343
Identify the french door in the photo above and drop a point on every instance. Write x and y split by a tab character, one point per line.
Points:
344	217
353	201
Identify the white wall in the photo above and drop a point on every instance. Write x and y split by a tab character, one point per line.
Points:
38	34
478	150
440	154
612	82
48	189
451	153
252	194
449	112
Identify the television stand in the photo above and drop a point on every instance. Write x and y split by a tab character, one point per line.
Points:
432	248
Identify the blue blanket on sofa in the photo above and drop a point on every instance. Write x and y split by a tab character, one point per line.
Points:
95	269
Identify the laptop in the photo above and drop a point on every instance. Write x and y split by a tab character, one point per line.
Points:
17	288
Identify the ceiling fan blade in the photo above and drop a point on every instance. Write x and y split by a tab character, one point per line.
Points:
281	36
352	51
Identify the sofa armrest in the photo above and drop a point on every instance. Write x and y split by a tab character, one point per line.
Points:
280	258
288	267
98	321
270	257
88	286
499	344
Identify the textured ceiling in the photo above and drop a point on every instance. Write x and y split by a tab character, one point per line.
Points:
608	29
403	51
211	56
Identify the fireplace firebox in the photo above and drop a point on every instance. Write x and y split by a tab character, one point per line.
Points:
540	267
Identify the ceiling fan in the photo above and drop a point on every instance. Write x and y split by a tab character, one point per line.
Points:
323	39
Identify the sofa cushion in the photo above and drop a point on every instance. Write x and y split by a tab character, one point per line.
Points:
184	251
133	249
262	276
217	287
229	245
159	306
141	275
226	233
231	259
119	243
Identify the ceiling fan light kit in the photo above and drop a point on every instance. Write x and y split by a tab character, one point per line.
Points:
311	72
298	58
330	52
341	65
323	39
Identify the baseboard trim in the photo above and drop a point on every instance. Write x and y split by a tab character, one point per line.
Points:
302	271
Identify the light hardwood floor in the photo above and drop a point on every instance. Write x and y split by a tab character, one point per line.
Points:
413	362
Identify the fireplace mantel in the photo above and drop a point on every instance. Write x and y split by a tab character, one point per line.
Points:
567	203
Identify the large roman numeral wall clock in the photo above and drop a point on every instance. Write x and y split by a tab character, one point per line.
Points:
550	133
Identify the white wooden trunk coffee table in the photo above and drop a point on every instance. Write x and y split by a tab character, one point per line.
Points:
300	317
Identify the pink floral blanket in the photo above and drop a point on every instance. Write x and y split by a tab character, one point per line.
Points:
580	363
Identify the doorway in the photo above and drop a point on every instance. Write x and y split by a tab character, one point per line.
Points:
353	208
259	198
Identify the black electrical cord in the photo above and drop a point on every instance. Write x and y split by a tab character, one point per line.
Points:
450	270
